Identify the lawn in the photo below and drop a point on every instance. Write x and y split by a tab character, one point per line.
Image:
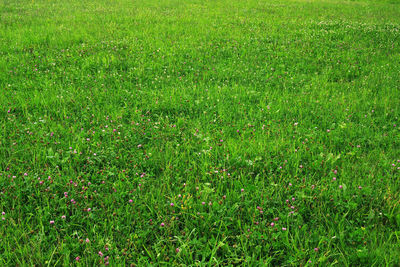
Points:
198	132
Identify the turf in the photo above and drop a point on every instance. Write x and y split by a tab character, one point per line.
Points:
200	132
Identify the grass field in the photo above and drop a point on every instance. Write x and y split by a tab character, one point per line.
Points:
198	132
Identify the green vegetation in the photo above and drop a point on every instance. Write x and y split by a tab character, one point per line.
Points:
200	132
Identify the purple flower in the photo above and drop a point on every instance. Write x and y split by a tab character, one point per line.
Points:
51	222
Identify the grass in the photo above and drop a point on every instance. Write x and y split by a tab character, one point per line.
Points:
200	132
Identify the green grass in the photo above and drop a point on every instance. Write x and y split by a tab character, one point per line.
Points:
240	113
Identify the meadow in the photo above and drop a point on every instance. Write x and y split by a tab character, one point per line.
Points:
199	132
